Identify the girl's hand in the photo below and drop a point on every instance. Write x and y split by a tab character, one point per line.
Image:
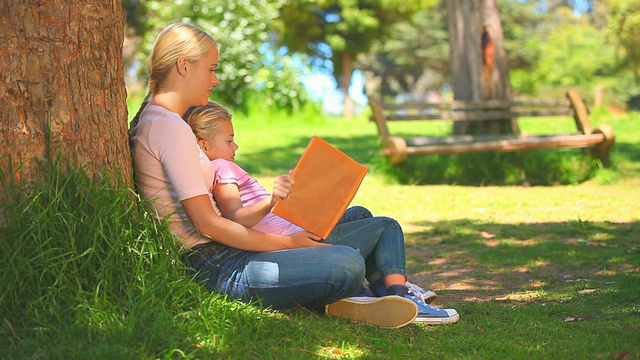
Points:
282	187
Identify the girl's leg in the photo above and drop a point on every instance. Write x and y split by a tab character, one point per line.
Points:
381	242
338	236
311	277
355	213
379	239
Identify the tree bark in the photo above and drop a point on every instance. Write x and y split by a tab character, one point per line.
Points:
466	65
478	61
347	72
62	90
497	84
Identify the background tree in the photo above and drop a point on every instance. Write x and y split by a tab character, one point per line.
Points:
409	59
251	66
340	30
522	24
478	61
567	57
62	89
624	29
413	61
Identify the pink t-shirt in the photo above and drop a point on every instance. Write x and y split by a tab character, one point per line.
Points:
251	192
170	167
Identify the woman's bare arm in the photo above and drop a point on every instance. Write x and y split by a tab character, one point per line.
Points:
227	232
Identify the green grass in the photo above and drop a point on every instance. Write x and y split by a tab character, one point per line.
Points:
535	271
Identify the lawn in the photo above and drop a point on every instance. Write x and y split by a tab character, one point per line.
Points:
540	272
535	272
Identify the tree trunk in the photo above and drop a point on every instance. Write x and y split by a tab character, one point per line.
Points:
347	72
62	90
478	61
466	64
497	84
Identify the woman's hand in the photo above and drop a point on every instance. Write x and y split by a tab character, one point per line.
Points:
230	233
306	239
282	187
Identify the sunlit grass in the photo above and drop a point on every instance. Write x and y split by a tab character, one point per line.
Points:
87	273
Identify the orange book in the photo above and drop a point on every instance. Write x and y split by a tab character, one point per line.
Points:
326	180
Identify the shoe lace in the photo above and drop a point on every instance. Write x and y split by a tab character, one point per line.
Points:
416	291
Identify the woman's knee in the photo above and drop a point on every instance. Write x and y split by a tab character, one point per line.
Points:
392	223
349	261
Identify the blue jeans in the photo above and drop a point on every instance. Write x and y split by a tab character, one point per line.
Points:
380	240
311	277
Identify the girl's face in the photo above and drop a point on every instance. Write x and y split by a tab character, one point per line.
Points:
221	144
203	77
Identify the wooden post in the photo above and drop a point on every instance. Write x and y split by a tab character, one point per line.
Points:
581	113
378	116
602	150
598	98
395	149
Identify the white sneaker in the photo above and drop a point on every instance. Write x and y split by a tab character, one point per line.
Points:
386	312
432	315
427	296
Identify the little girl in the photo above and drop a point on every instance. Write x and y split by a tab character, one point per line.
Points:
241	198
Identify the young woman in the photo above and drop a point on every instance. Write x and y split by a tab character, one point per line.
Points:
170	169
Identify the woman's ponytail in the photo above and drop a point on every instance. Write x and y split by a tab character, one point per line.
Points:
136	119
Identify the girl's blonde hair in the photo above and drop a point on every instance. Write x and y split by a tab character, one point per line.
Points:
204	120
174	41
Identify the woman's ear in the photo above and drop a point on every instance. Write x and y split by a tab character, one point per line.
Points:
182	65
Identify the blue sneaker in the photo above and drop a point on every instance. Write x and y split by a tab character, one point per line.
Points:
432	315
364	292
427	296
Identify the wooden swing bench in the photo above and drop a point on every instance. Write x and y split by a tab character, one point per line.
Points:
599	140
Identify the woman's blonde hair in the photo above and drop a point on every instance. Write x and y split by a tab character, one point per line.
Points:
174	41
204	120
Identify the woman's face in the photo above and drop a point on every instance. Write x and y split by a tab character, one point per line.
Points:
203	77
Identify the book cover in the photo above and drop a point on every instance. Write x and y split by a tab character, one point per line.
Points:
326	180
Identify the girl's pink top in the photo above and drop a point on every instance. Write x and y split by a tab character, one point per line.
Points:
251	192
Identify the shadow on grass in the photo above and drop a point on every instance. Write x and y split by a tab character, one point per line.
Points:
626	160
466	261
219	331
627	150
